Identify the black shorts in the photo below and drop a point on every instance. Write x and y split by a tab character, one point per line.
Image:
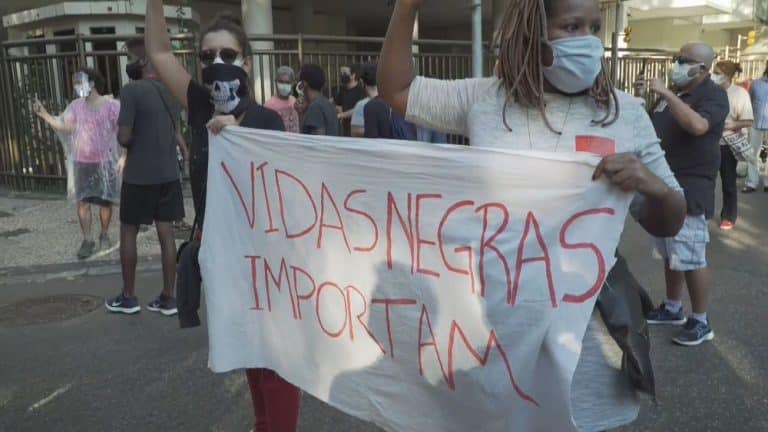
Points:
145	204
95	183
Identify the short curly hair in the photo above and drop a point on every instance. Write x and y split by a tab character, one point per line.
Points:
313	75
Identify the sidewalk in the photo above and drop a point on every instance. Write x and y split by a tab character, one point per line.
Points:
40	230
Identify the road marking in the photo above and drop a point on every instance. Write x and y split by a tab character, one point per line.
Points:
49	398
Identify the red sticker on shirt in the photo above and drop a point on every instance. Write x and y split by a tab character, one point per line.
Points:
598	145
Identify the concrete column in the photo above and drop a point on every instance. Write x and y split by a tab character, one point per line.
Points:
477	38
415	48
257	19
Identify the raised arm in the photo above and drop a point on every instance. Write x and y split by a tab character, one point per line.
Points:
158	46
396	70
55	122
693	122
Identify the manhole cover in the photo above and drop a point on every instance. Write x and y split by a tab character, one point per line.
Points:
43	310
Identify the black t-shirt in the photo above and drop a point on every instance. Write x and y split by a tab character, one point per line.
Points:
149	110
378	119
695	160
200	113
347	99
320	118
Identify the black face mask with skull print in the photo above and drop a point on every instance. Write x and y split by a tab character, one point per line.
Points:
229	88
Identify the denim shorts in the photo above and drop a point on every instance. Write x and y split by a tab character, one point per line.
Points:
687	250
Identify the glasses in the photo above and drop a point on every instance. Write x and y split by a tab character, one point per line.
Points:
681	60
227	55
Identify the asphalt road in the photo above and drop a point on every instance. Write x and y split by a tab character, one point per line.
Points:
103	372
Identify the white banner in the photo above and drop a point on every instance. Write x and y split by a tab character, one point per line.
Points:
422	287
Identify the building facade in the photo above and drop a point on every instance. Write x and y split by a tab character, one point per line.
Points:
663	24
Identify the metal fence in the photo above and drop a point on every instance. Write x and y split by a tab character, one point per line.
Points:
32	159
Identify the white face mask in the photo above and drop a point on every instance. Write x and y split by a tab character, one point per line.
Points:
679	75
718	79
577	62
284	89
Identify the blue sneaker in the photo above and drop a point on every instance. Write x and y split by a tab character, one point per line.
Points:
694	333
164	305
662	315
122	304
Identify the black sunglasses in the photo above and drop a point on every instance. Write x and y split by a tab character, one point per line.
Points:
227	55
681	60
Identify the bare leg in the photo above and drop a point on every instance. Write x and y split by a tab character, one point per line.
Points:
675	281
106	217
128	257
168	252
699	284
84	215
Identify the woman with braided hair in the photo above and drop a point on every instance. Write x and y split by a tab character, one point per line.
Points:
550	92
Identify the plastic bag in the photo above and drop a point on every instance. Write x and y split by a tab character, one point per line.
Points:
91	150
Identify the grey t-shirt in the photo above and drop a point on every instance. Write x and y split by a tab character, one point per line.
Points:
601	397
320	118
151	157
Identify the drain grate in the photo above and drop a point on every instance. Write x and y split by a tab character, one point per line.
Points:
43	310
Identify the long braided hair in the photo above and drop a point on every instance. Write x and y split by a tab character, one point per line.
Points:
520	40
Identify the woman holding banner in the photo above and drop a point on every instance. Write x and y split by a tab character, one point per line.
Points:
551	92
222	99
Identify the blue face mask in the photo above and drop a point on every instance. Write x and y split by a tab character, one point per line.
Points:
577	63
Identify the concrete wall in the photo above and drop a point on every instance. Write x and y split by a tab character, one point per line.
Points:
671	34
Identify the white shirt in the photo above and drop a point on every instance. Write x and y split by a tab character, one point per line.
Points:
741	106
601	397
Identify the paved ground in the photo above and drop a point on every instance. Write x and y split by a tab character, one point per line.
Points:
35	231
100	372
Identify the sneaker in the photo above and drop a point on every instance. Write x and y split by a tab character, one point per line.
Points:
123	304
104	242
726	225
662	315
164	305
694	333
748	189
86	249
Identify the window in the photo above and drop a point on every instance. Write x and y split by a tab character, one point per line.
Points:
37	48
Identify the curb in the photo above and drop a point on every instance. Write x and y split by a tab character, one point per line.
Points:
43	273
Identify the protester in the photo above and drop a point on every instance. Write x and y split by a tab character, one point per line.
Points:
151	191
551	86
368	78
758	91
88	132
690	120
283	102
349	94
318	113
226	59
739	118
377	115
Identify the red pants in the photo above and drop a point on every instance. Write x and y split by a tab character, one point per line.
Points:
275	401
